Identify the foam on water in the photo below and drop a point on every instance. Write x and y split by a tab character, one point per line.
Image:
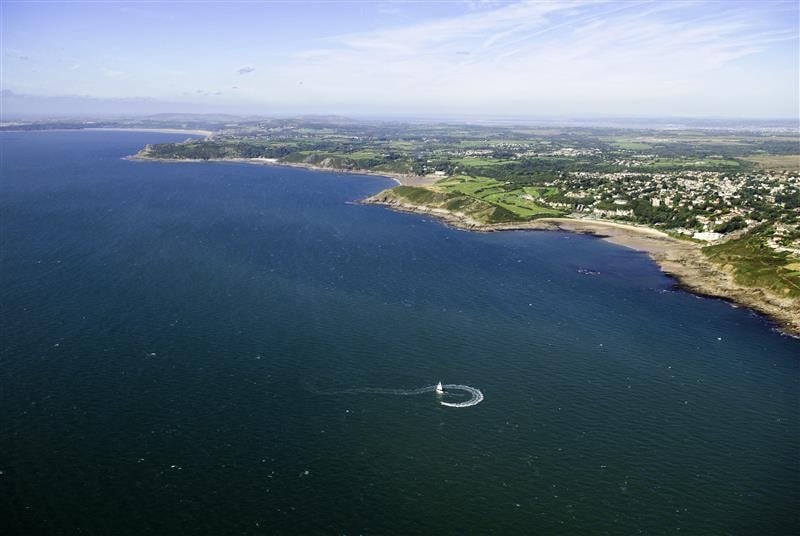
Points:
476	396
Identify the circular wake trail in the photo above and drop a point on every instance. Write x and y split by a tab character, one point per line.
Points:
476	396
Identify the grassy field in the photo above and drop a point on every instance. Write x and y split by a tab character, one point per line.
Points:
756	265
361	154
539	191
694	163
402	145
398	166
495	193
632	145
775	162
356	160
481	162
455	202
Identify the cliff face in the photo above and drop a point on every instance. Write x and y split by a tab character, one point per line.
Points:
698	274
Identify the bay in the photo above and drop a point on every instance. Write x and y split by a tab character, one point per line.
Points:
183	347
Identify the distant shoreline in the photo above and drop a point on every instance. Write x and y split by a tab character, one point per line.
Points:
399	178
196	132
680	259
205	133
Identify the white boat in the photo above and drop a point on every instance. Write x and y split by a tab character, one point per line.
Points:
439	388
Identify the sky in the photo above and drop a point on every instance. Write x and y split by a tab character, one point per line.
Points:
524	59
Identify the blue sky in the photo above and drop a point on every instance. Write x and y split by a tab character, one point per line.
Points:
697	58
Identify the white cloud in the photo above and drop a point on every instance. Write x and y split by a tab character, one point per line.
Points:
539	53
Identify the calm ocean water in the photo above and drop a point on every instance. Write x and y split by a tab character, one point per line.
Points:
178	340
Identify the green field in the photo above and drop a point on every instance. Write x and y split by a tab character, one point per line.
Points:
775	162
482	162
454	202
496	193
402	145
700	164
361	154
756	265
632	145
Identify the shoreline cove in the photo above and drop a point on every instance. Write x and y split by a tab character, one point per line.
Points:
682	260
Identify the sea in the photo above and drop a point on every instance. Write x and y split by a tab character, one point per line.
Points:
220	348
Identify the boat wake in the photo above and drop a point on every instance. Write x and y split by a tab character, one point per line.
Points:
451	389
476	396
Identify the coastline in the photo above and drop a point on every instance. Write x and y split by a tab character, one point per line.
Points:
680	259
399	178
206	133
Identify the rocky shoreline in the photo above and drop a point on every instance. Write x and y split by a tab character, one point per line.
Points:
680	259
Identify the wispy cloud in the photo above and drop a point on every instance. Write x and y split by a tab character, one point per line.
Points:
548	50
16	54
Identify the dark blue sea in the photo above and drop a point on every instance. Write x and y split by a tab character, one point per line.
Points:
212	349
